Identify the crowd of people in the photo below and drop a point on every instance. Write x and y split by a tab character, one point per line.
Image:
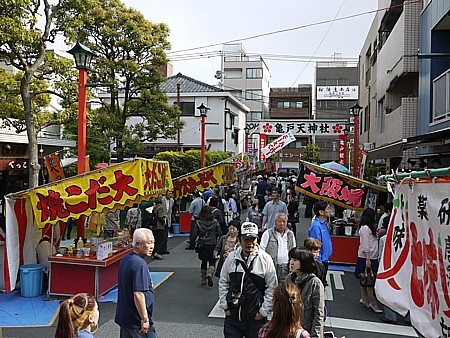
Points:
269	285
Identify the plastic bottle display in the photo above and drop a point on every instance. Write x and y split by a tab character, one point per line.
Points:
80	243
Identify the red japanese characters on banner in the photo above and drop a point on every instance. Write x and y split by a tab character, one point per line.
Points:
334	188
414	272
204	179
343	150
262	144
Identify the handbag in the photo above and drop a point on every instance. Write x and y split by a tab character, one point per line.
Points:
199	242
367	278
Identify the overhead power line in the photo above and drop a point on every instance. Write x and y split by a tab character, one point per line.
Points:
296	28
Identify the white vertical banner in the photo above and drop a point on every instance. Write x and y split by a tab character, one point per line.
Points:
414	272
278	144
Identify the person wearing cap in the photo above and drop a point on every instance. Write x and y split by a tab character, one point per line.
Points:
262	185
194	209
272	208
277	242
247	282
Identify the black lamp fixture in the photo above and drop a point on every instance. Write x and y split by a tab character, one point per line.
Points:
412	162
203	109
423	163
83	55
354	110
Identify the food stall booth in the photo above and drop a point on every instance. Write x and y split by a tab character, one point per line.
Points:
94	271
219	174
344	191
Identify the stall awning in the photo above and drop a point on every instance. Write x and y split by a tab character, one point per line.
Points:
387	151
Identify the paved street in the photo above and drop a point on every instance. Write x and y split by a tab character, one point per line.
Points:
183	306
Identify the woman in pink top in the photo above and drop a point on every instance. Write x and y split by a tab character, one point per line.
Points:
368	256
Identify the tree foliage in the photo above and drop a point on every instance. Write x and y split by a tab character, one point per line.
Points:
182	163
26	27
312	152
130	51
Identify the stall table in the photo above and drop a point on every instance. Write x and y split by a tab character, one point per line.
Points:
70	275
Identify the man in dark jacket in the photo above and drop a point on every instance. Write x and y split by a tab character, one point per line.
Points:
246	296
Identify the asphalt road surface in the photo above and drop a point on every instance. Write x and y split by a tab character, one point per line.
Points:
184	308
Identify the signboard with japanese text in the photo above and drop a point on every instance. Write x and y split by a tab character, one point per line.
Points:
118	185
53	164
278	144
331	187
414	272
262	144
337	93
302	127
201	180
242	162
362	161
343	150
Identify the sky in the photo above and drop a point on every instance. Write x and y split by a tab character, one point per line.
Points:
198	23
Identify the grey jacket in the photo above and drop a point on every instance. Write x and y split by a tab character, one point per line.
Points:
313	299
210	230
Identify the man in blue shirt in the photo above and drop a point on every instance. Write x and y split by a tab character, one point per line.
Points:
319	230
135	298
272	208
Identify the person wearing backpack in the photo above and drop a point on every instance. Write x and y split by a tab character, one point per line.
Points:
302	267
205	234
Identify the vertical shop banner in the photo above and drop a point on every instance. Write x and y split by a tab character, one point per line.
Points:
262	144
362	162
414	272
333	187
343	150
278	144
53	164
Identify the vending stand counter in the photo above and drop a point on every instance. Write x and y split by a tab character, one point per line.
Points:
99	191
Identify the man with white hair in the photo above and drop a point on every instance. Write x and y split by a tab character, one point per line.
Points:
135	299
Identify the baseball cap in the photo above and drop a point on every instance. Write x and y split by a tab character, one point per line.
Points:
249	230
259	177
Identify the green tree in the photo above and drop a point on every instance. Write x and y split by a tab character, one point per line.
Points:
130	52
312	152
182	163
26	94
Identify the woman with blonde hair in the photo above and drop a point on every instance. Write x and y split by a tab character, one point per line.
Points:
78	315
287	310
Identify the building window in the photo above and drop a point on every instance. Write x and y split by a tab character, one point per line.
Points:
254	73
292	104
254	94
233	73
366	118
187	109
441	97
255	116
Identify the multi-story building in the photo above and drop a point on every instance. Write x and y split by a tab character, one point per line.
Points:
336	91
392	56
291	104
433	141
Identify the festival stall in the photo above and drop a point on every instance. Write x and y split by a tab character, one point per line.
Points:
210	177
414	271
344	191
99	191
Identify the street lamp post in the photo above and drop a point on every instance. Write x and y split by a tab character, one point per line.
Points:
354	111
83	56
203	110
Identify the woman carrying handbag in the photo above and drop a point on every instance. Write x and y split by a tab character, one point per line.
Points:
367	262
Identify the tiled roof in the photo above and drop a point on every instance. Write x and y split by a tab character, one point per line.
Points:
187	85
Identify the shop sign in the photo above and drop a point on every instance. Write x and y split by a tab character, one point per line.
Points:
343	150
337	93
117	185
302	127
53	164
278	144
414	272
220	174
335	188
17	164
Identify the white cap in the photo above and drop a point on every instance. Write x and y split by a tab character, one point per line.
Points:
249	230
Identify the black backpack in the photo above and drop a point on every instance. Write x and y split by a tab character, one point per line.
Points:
152	220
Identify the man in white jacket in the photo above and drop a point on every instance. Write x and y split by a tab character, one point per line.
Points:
247	282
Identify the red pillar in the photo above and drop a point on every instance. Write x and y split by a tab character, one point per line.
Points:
203	143
355	144
82	81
